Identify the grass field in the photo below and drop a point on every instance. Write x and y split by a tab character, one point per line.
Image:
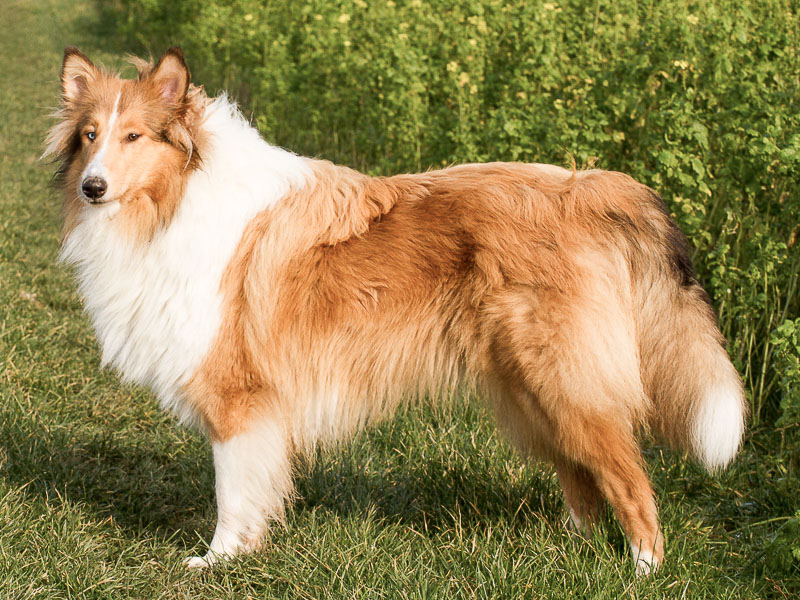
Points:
102	495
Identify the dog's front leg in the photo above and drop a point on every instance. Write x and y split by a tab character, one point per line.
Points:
253	480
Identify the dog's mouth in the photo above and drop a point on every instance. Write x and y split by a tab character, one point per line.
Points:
105	200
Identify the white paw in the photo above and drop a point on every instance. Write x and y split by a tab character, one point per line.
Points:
198	562
644	568
644	560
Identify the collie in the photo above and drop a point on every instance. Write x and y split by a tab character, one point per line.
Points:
278	302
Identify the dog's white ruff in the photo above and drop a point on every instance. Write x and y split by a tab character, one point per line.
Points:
156	307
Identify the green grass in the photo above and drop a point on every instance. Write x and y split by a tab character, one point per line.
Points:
102	495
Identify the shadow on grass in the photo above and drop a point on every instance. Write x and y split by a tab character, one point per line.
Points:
151	483
429	495
143	483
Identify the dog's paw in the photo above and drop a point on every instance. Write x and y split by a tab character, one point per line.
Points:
197	562
645	563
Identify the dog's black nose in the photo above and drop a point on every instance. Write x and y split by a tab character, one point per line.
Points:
94	187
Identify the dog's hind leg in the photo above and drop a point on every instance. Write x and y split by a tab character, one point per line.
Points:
584	499
574	360
253	481
613	459
528	427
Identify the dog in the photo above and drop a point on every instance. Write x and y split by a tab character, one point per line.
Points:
278	302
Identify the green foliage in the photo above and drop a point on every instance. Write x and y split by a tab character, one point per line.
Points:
786	347
700	100
782	554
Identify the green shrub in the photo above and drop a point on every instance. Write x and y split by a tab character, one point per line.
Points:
786	343
699	99
782	551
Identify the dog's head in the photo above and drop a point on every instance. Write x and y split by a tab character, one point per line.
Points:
127	141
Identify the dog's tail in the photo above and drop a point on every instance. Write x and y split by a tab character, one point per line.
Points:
697	397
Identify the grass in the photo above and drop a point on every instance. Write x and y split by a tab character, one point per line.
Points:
102	495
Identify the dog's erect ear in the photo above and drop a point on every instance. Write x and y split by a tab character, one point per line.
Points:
171	76
76	73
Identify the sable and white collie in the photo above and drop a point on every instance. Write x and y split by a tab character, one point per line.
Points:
278	302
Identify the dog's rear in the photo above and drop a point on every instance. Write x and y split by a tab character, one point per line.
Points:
695	396
698	403
627	340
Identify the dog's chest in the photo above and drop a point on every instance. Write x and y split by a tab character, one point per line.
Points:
157	308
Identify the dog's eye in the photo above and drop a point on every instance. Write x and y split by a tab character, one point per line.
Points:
91	135
132	137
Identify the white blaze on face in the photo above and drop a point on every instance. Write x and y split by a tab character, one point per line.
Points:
96	166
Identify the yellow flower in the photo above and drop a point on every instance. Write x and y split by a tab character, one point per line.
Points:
452	66
463	79
248	17
693	19
343	18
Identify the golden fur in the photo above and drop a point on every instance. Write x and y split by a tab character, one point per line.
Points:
529	286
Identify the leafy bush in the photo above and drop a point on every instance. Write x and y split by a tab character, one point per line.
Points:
782	552
698	99
786	343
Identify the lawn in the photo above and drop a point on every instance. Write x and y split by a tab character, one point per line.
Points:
102	494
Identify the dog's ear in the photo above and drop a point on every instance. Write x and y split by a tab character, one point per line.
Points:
171	76
76	73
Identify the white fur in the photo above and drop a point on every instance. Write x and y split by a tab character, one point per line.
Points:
96	166
156	307
253	478
321	418
719	424
577	522
643	560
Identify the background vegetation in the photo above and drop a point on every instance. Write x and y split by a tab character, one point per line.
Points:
700	100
